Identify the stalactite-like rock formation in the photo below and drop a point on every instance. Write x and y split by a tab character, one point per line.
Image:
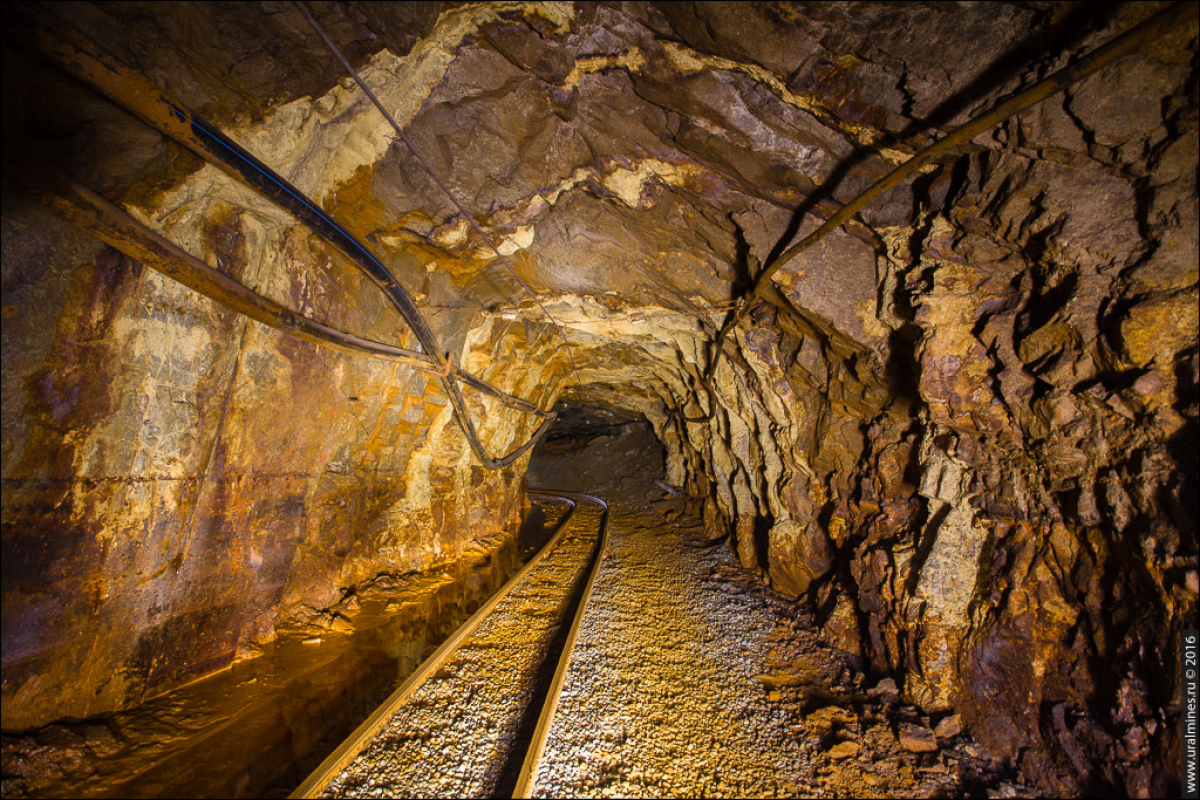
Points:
967	437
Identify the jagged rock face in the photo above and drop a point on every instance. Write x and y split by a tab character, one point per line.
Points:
968	437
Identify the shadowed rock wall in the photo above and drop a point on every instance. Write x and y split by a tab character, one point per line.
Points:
179	483
968	436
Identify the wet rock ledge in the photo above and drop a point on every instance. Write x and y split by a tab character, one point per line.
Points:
961	437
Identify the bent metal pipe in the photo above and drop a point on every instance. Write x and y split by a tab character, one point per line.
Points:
84	60
95	215
764	290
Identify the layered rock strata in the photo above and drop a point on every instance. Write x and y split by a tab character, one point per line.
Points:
967	436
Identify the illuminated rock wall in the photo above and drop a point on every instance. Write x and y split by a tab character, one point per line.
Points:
967	435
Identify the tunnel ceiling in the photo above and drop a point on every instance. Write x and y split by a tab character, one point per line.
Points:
638	162
965	422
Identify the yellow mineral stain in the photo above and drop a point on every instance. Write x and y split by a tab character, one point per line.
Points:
632	60
688	61
355	205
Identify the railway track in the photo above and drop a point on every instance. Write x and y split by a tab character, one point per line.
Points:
472	719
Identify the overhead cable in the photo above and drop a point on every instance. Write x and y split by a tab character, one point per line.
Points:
1117	48
83	59
424	162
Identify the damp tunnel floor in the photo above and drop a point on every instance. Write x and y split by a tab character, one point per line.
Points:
692	678
256	728
689	676
872	326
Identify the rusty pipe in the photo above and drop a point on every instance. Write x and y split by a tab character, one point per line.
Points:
92	213
79	57
1098	59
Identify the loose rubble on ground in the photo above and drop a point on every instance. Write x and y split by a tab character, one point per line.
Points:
689	678
455	736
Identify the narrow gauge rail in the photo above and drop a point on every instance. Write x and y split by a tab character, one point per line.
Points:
460	725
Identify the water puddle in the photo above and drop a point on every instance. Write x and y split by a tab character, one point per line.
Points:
257	728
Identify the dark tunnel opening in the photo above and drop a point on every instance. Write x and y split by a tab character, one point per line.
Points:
874	322
597	447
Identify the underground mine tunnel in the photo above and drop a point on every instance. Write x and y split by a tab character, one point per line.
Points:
599	399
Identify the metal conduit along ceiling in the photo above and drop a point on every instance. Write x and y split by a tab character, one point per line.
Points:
86	61
873	325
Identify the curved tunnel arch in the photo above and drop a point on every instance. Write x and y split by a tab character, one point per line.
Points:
215	482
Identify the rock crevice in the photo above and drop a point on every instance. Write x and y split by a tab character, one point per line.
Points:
964	436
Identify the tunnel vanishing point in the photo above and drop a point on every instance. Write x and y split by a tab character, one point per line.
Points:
903	296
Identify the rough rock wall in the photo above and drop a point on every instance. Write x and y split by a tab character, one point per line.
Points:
179	474
180	483
968	436
1013	528
971	440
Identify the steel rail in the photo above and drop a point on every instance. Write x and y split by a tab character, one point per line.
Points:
527	778
81	58
1113	50
340	758
93	214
